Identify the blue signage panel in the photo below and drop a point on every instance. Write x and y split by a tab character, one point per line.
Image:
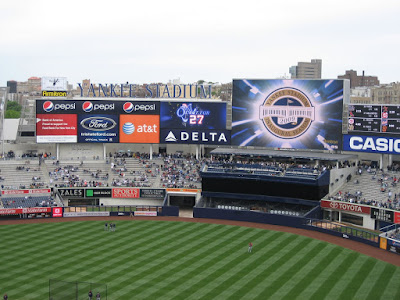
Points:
372	144
193	115
181	136
98	128
298	114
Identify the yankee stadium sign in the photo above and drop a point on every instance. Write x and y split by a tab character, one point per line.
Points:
150	90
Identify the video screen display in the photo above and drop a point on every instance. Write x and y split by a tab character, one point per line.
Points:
193	115
280	113
374	119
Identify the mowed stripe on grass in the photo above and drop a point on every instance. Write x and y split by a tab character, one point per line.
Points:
179	260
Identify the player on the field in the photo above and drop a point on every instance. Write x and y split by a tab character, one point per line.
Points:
90	294
250	247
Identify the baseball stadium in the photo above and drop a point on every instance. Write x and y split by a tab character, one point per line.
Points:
286	190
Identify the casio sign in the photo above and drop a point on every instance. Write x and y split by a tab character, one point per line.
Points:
380	144
98	123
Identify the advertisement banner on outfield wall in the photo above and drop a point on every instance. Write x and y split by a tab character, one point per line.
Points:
26	210
87	214
125	193
29	191
152	193
145	213
99	193
183	190
72	192
296	114
57	212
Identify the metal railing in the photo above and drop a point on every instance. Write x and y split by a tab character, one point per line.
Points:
343	229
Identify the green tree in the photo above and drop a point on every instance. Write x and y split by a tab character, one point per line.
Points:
13	105
12	114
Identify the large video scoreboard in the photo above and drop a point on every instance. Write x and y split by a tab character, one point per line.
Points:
374	119
282	113
139	121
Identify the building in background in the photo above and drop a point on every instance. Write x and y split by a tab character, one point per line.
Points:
361	95
12	85
307	70
386	94
358	81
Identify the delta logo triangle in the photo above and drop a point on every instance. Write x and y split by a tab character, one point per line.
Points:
171	137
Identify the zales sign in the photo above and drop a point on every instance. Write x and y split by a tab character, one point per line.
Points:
346	206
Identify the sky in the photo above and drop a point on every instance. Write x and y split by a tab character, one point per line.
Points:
157	41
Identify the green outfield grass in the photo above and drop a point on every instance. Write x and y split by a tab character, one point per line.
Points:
178	260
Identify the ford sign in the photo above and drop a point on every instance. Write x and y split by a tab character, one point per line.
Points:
98	123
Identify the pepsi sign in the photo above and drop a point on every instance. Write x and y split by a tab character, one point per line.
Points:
98	106
88	106
49	106
141	107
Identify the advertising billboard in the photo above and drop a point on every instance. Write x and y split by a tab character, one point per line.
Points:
194	123
84	121
125	193
193	115
98	129
371	144
56	128
54	86
139	129
182	136
54	83
280	113
345	206
101	121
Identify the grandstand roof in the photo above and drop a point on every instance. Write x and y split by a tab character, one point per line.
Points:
285	154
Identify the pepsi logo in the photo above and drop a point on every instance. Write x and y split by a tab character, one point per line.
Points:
128	128
87	106
48	106
128	107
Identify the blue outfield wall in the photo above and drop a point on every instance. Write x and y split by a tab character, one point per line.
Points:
266	218
247	216
171	211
